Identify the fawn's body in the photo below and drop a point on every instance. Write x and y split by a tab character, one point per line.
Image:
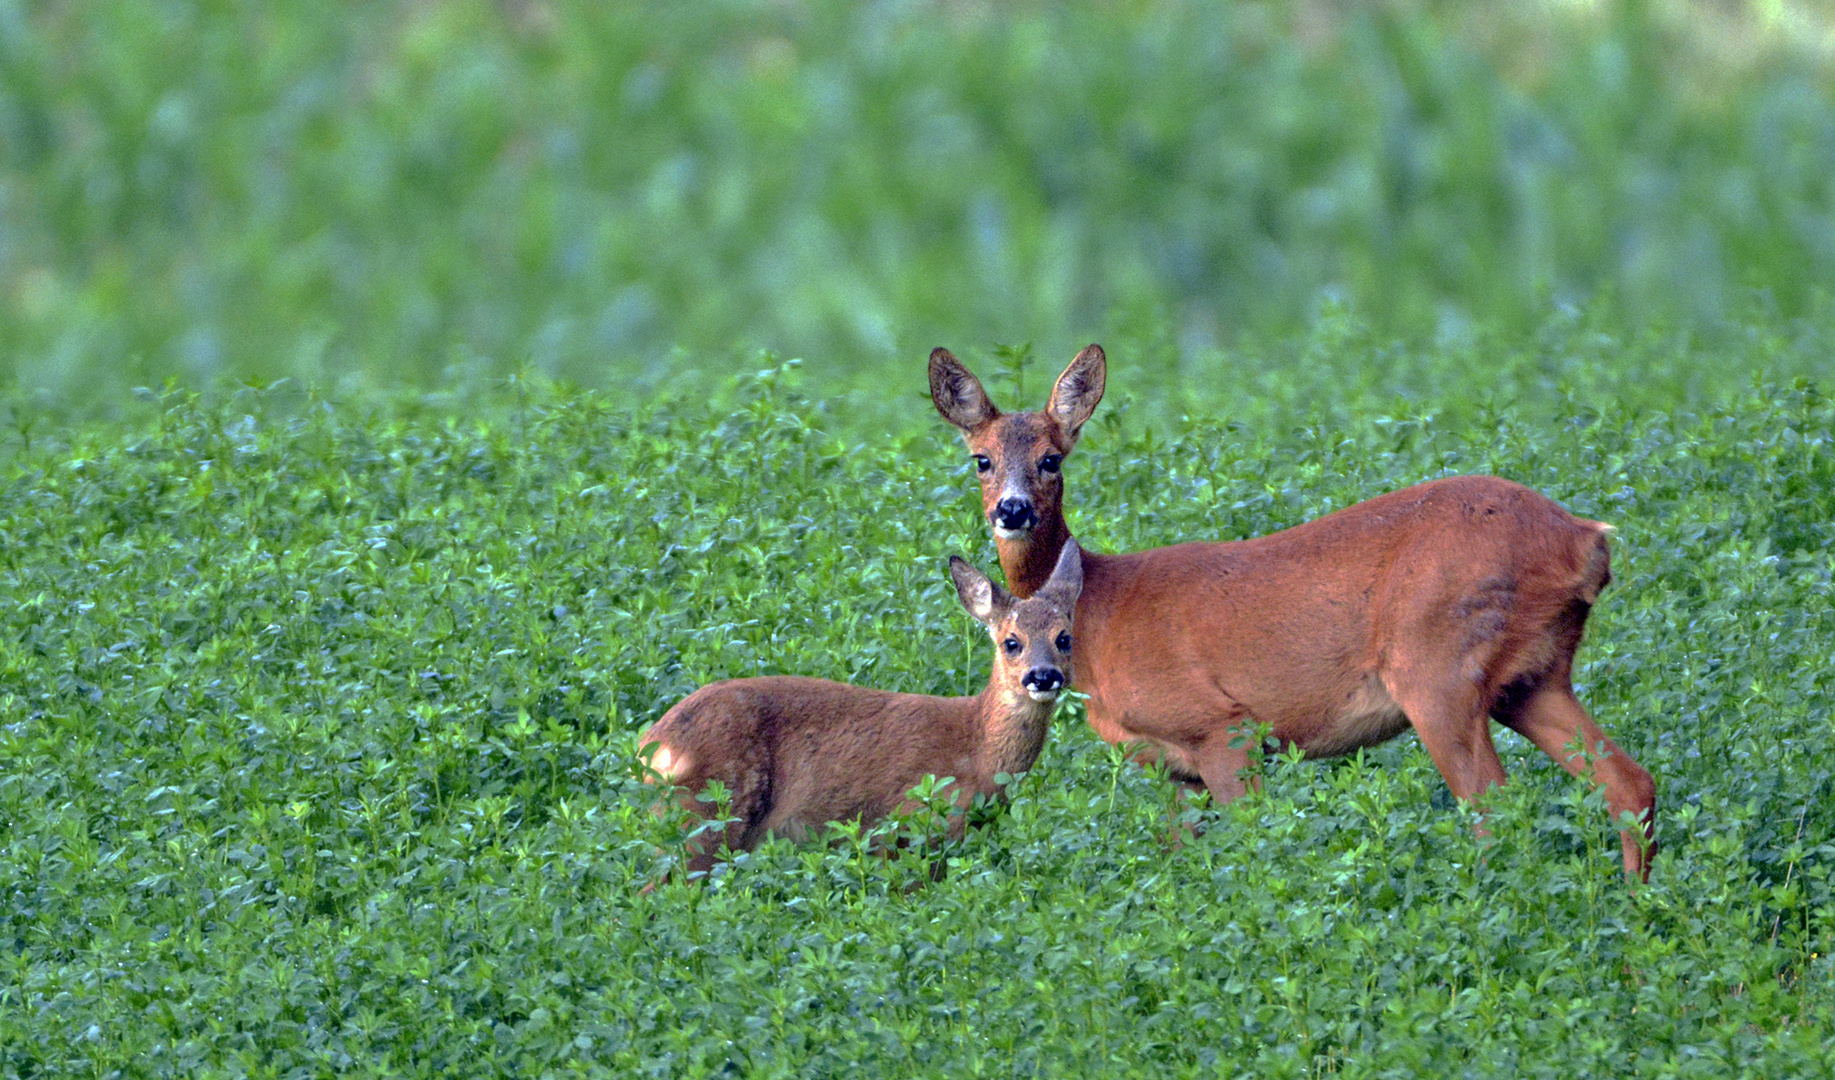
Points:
1440	606
798	753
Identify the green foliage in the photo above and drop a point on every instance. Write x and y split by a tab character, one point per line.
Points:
317	720
422	193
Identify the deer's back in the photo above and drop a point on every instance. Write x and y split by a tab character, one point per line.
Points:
1297	628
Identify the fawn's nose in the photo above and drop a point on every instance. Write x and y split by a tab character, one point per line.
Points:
1014	512
1043	682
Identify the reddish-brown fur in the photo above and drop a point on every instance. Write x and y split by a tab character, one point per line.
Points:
797	753
1441	607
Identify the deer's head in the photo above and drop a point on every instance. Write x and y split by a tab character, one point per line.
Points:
1032	637
1019	455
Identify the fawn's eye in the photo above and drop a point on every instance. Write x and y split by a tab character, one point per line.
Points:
1011	645
1063	642
1050	462
982	464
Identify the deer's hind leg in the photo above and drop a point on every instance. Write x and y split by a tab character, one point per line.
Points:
1553	718
750	791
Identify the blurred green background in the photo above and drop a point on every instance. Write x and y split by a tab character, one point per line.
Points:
418	194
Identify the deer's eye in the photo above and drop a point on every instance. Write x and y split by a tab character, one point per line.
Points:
982	464
1050	462
1011	645
1063	642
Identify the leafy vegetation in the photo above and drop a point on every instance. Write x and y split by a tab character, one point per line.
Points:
318	720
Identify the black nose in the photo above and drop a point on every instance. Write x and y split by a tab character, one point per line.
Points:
1014	512
1043	679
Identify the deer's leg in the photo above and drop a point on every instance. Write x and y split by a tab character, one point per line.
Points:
1222	761
1217	767
1452	724
704	851
1150	754
1553	719
700	850
703	848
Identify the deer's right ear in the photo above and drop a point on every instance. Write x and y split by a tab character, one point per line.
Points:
1079	390
983	599
1066	581
958	394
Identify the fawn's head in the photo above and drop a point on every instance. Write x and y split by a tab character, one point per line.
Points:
1032	638
1018	455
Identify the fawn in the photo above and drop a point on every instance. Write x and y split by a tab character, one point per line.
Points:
796	753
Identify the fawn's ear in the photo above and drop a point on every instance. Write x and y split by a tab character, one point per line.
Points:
986	601
958	394
1066	580
1078	391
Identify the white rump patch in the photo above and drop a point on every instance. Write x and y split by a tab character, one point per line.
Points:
667	763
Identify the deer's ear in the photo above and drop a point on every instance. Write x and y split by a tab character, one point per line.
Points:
1066	581
1079	390
984	600
958	394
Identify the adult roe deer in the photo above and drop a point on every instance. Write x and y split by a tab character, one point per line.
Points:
796	753
1440	606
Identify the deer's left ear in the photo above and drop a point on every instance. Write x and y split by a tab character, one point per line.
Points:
984	600
1079	390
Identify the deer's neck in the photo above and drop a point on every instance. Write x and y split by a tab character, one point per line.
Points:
1013	728
1029	560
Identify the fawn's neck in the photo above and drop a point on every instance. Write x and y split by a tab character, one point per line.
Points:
1013	728
1028	561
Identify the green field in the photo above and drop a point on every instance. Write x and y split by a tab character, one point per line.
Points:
403	404
319	732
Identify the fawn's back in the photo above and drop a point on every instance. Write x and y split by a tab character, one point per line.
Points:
796	752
